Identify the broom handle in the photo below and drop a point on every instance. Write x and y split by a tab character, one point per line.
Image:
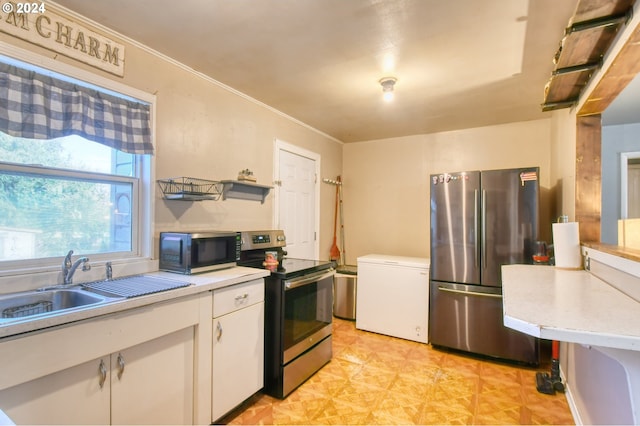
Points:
335	218
343	256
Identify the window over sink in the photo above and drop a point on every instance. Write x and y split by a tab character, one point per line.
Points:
64	193
78	190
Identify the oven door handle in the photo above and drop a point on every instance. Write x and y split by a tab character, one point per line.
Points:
308	279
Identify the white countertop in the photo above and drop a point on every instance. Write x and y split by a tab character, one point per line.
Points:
201	283
569	306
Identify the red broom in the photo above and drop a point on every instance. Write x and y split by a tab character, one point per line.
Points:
334	252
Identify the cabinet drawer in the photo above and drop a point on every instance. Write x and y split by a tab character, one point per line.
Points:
238	296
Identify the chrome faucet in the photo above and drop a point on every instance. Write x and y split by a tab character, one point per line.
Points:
69	267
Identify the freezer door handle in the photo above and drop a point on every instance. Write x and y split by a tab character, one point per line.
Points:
470	293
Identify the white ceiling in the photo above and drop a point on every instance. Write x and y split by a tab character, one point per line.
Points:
459	63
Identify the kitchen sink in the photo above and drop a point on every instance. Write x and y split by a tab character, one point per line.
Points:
31	303
52	301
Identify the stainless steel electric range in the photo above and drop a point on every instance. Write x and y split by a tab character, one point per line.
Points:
298	311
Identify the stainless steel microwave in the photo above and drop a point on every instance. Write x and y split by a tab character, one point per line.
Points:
196	252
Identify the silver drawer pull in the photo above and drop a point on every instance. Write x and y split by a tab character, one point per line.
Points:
120	366
219	330
103	373
242	297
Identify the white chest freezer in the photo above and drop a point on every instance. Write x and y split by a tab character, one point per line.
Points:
393	296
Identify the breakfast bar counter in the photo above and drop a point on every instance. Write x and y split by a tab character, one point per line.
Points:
569	306
576	307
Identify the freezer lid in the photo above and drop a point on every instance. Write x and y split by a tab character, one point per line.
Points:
385	259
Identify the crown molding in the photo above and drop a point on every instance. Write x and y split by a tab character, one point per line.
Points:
147	49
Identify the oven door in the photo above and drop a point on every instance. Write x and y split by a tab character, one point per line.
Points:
308	304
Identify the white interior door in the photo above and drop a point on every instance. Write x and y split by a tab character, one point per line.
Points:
297	200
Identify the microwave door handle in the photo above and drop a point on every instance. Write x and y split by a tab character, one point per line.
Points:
307	279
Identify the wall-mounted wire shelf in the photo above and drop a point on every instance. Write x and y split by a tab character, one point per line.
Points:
190	189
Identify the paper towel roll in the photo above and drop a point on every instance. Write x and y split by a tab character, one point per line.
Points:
566	245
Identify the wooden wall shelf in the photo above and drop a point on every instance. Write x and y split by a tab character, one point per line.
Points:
589	36
244	190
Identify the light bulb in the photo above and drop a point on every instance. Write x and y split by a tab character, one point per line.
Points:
387	84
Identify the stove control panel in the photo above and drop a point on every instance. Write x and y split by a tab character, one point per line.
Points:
252	240
261	239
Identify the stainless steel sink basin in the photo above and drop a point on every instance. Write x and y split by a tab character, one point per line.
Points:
27	304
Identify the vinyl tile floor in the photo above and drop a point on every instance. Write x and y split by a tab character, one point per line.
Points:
377	379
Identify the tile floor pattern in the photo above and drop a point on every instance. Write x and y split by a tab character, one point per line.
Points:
376	379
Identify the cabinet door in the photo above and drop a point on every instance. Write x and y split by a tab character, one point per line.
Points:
238	354
152	383
71	396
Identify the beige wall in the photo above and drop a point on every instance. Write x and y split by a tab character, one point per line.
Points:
206	131
386	182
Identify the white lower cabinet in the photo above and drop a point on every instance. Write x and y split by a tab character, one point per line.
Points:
152	383
238	345
47	380
71	396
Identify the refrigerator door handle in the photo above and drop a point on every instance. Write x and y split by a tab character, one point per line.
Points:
475	228
484	229
470	293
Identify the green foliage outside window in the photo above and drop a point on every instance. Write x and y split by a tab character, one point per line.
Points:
45	214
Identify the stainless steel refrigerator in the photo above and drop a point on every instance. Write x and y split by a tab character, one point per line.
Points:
480	220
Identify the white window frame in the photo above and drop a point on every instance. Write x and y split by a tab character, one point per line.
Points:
46	270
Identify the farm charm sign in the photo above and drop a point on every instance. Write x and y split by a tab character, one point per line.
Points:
39	25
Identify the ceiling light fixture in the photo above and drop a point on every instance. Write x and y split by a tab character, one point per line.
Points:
387	84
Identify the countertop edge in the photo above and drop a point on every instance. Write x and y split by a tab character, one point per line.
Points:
558	313
620	251
201	283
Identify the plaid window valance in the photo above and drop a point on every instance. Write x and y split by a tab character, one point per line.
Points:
37	106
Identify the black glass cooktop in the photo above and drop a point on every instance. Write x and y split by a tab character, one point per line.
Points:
291	267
